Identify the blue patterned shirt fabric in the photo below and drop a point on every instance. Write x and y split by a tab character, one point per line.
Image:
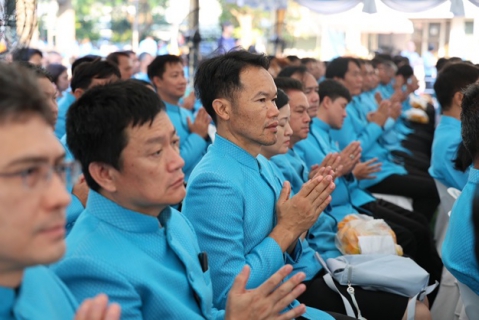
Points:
149	265
447	138
192	146
41	296
231	202
357	128
458	252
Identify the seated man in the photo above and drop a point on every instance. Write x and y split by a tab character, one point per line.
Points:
367	129
33	199
240	211
128	242
458	247
447	137
66	101
167	75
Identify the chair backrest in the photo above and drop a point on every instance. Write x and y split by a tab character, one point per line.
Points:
447	200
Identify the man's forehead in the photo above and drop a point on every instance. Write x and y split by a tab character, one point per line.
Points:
33	138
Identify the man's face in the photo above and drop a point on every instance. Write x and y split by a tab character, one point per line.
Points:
173	82
384	73
125	64
367	73
353	79
337	112
311	88
36	59
151	176
135	63
254	115
32	215
300	119
315	69
50	92
284	134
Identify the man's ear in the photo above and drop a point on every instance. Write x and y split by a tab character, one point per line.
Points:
103	174
157	81
326	104
78	93
222	108
457	98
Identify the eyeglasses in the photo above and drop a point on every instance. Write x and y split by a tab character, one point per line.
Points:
39	175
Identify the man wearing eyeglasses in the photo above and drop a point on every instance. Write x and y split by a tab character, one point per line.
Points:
33	199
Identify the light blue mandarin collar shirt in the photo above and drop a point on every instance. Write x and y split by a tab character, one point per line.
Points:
192	146
41	296
231	202
63	105
152	270
458	252
447	138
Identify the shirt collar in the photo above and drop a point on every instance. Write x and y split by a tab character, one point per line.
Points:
122	218
474	176
171	107
450	120
227	147
320	124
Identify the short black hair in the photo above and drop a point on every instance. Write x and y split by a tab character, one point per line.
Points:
454	78
441	63
56	70
96	123
87	58
20	96
38	71
282	99
333	89
219	77
24	54
470	120
290	70
305	61
338	67
292	58
406	71
87	71
157	67
115	56
286	84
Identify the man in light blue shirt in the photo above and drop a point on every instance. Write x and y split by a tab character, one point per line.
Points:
458	250
129	242
367	129
167	75
33	199
447	137
240	211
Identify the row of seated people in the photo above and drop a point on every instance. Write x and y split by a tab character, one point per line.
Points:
214	200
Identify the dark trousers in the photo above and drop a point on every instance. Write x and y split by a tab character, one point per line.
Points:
420	188
374	305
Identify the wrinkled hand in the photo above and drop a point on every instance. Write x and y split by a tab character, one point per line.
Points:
399	82
189	101
350	156
98	309
81	190
268	300
378	97
365	170
412	85
298	214
381	115
200	126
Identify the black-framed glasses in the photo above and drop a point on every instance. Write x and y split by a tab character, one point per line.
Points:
39	175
